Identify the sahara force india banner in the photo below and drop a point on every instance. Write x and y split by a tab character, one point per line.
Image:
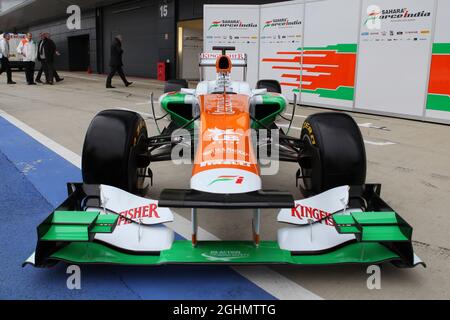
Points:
329	53
438	99
280	44
315	47
236	26
394	56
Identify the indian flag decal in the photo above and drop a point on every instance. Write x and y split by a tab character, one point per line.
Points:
268	24
328	71
214	24
439	86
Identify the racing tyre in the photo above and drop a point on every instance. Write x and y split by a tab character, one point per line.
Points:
113	150
270	85
334	153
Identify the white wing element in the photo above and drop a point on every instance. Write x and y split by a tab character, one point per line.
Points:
30	261
316	208
132	207
313	238
131	233
318	236
138	238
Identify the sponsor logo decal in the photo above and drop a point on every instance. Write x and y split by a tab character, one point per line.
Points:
281	22
307	127
314	214
148	211
235	179
232	24
214	24
224	135
402	13
225	255
225	163
375	15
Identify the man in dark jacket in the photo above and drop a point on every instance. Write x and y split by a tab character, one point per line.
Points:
46	55
116	62
4	57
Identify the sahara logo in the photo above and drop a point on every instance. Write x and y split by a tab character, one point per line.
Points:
281	22
235	179
402	13
233	24
373	17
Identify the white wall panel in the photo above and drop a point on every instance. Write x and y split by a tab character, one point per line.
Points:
281	38
394	55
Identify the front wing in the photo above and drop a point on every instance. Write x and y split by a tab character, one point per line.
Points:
90	228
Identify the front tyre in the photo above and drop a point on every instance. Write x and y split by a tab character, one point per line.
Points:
334	153
113	150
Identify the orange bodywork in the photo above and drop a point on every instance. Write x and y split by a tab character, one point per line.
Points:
225	139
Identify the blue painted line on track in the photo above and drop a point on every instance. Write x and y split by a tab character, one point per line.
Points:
32	183
47	171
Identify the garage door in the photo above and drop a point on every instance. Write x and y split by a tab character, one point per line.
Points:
137	23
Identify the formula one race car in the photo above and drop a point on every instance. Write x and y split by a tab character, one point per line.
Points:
230	132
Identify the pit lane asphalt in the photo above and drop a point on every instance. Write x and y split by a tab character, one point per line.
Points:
411	160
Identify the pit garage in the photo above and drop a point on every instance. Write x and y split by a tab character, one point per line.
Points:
136	23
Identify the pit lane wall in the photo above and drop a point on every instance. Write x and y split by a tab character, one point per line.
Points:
389	57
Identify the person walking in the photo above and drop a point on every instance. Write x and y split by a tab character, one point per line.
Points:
116	63
41	71
28	49
40	58
46	54
4	57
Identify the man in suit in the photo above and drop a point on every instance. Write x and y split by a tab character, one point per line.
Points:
4	57
41	69
46	55
28	49
116	62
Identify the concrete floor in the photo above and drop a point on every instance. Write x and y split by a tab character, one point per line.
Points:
411	159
